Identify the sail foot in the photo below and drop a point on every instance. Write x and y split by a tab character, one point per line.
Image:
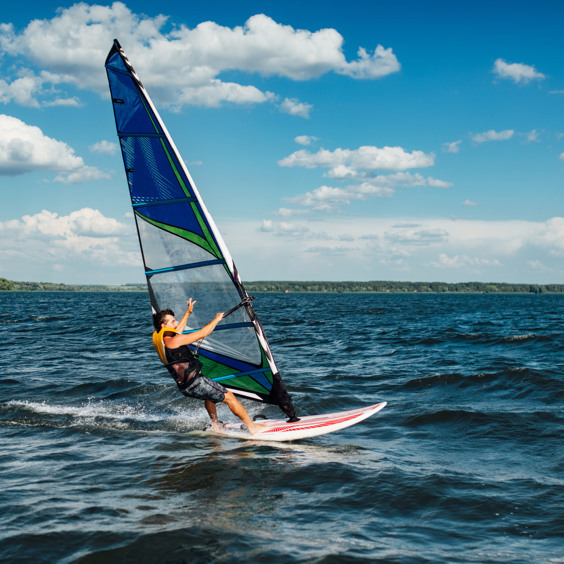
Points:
281	397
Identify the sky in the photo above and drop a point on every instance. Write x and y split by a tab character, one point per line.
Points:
359	140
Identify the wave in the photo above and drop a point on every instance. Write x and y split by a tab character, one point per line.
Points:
513	381
98	408
495	421
507	376
8	318
480	338
528	337
104	415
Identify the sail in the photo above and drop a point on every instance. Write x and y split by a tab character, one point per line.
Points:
183	252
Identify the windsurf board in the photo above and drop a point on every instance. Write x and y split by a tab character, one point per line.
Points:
307	426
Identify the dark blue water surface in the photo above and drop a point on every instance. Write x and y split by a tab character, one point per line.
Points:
99	462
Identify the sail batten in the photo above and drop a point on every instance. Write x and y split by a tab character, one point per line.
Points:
184	267
122	135
249	373
164	202
183	252
233	326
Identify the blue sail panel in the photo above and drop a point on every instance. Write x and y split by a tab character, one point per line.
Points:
150	176
130	112
177	214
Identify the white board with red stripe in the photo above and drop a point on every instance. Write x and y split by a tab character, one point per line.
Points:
308	426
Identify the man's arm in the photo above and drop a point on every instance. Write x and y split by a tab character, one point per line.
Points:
179	339
182	323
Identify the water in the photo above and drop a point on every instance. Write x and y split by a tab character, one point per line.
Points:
465	464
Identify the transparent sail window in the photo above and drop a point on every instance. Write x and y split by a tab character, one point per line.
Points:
214	292
162	249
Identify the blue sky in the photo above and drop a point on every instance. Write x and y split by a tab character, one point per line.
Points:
330	141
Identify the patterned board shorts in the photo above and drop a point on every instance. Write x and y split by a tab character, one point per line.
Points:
203	388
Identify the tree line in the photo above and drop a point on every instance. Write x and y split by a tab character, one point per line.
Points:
407	287
320	287
11	286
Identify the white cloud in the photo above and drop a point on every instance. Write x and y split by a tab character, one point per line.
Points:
532	136
88	29
283	228
493	135
84	222
469	203
537	265
517	72
214	94
295	108
430	181
343	172
24	148
20	90
326	251
561	157
381	63
30	90
86	244
359	166
366	158
262	45
267	225
463	261
183	65
385	248
287	212
453	147
551	236
72	102
82	174
104	147
417	237
327	198
265	46
78	245
305	139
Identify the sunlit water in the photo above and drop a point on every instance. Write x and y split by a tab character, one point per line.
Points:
100	462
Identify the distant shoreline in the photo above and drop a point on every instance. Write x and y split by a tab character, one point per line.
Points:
383	287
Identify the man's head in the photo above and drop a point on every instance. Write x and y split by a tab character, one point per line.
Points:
162	318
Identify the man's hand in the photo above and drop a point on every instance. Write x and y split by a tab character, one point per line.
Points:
191	303
182	323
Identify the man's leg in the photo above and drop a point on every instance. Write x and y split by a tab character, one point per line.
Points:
236	407
210	408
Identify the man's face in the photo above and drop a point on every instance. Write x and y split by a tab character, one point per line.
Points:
169	321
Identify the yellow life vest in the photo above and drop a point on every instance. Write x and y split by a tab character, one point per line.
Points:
158	342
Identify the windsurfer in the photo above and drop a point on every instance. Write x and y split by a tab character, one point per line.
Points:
184	367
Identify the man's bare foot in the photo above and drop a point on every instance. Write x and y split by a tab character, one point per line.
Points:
217	426
255	428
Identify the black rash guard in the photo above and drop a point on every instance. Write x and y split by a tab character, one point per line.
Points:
182	364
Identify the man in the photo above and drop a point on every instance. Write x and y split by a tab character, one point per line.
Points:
184	367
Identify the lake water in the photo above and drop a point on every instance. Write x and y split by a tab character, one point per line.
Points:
99	462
